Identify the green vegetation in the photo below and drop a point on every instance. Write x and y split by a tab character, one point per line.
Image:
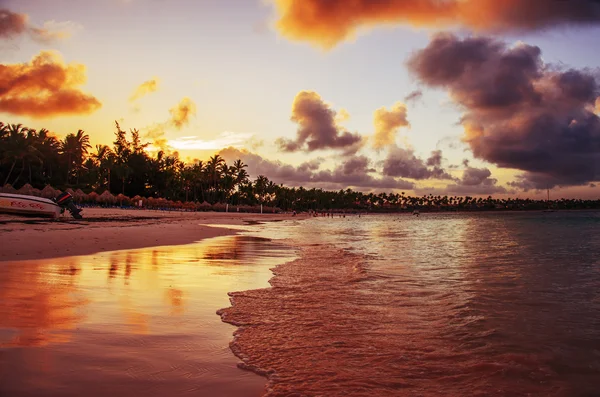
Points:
39	159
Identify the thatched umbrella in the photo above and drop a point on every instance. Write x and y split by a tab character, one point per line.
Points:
150	202
26	189
205	206
121	198
136	201
80	196
48	192
93	197
9	189
220	207
107	198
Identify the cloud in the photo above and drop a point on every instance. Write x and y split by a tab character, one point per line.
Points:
147	87
325	23
181	113
413	96
476	176
317	127
387	123
519	112
342	116
403	163
45	87
474	181
180	117
225	139
353	172
13	25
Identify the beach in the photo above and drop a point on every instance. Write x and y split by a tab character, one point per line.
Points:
125	301
500	304
106	229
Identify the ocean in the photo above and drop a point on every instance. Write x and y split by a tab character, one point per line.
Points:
462	304
503	304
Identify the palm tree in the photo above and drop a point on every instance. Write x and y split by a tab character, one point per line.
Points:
18	147
214	168
104	159
75	147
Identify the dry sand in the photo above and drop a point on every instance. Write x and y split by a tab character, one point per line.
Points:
105	229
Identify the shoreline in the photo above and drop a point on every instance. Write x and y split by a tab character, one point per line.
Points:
104	230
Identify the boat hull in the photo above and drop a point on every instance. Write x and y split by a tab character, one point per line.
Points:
28	205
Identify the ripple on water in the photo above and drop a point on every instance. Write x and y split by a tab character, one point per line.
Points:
337	322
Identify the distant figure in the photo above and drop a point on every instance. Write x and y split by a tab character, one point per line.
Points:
294	213
416	212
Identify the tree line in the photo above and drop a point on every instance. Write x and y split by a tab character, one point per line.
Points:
39	158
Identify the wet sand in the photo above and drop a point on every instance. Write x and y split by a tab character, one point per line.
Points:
130	321
114	229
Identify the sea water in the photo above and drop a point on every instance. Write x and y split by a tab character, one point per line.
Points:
480	304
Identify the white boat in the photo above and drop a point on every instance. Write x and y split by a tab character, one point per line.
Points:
21	204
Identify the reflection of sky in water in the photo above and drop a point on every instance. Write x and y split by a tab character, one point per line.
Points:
441	304
147	314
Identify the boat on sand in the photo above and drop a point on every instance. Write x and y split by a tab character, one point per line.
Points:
20	204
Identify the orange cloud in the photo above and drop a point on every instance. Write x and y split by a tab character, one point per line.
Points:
147	87
180	114
13	24
387	123
328	22
45	87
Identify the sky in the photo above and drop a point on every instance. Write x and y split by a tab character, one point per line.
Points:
457	97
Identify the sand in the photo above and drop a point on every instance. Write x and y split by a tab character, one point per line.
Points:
105	229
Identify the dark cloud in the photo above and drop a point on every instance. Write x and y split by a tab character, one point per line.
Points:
13	24
45	87
435	160
317	128
474	181
328	22
477	176
519	113
403	163
413	96
352	172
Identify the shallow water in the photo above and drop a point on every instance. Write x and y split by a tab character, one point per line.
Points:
139	322
504	304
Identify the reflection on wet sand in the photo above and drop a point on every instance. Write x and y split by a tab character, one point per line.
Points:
129	321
